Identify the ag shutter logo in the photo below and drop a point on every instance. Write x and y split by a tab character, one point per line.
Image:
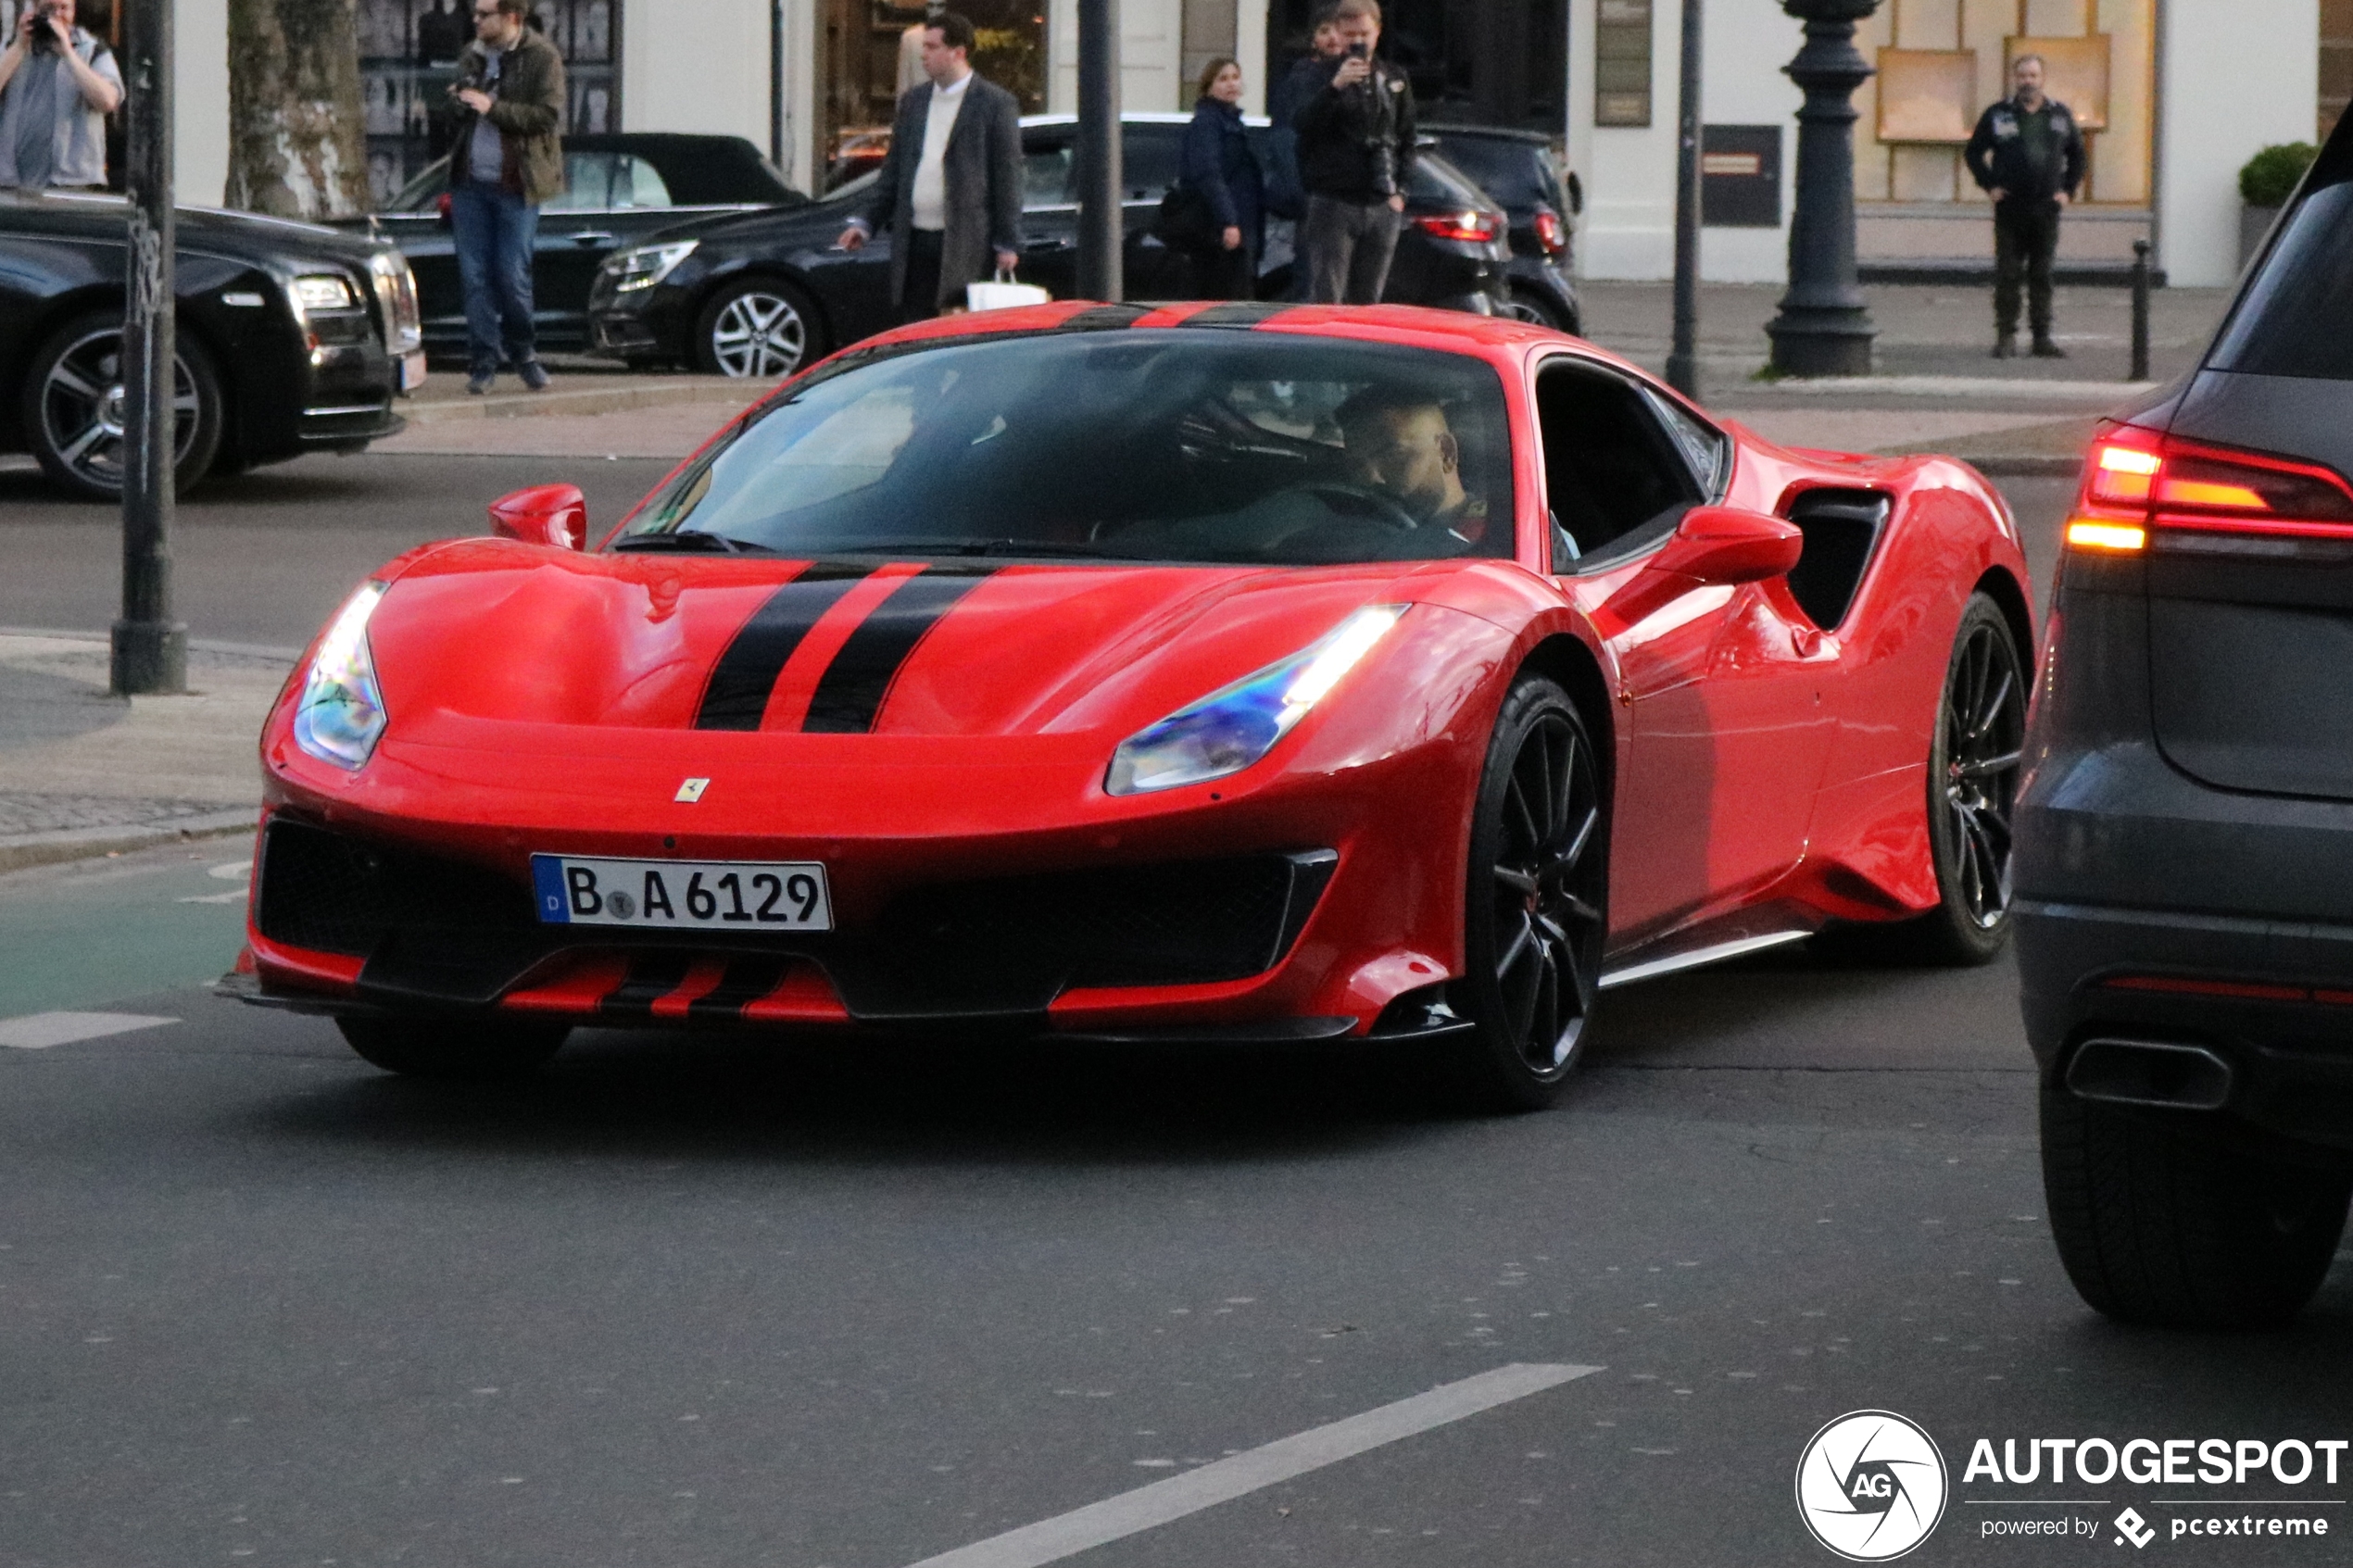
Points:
1872	1486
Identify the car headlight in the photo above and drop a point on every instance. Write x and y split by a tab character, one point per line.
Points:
646	265
341	714
1230	729
396	296
323	292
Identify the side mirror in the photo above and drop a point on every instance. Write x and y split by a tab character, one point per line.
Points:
1730	544
545	514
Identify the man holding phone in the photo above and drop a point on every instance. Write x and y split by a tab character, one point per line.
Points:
59	83
1356	151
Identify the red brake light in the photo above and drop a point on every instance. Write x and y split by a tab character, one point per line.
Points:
1549	232
1475	227
2199	496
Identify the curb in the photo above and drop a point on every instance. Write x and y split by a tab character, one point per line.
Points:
595	400
27	850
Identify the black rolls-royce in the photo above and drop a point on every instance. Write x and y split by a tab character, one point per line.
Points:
292	338
761	293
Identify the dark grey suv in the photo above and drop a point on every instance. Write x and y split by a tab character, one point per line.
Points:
2185	857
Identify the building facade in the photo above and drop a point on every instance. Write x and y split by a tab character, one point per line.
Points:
2175	96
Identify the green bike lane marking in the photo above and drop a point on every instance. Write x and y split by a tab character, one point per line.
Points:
86	932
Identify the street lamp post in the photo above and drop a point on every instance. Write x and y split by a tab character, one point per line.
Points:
1101	226
1823	328
150	648
1682	359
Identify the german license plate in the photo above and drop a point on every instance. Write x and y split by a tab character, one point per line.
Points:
688	894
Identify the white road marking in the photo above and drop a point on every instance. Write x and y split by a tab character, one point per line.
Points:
38	1030
235	870
1050	1540
235	895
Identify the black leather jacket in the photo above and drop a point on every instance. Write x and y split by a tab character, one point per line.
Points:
1339	128
1997	155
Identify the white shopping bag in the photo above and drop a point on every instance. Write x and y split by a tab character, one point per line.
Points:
1003	294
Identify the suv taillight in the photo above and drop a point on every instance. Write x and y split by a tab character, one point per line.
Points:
2213	499
1475	226
1550	232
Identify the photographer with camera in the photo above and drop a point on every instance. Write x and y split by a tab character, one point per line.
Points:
1355	149
59	83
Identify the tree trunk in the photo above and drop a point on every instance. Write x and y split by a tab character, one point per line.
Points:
298	147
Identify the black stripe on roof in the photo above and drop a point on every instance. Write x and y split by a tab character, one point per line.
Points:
738	693
1103	317
1240	313
851	693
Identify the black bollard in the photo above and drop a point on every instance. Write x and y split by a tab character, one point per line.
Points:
2140	310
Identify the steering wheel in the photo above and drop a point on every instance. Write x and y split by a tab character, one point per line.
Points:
1354	501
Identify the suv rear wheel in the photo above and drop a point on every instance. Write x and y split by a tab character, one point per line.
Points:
2158	1224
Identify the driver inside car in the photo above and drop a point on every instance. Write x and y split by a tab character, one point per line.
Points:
1403	445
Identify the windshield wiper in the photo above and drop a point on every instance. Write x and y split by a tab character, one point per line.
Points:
691	541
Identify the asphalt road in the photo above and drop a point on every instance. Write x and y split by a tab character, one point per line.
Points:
704	1299
264	558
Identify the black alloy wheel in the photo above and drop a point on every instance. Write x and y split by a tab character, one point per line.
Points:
74	408
1973	769
1529	304
1536	912
759	329
454	1049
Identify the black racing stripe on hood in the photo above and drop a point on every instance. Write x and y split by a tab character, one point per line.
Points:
850	692
1244	313
737	692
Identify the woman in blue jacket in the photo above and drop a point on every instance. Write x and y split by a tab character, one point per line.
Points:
1217	162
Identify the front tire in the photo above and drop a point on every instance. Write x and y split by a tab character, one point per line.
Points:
2157	1225
1536	906
465	1051
72	408
757	328
1533	305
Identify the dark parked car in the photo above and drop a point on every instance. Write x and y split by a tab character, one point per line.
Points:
1517	171
761	293
292	338
2184	869
620	189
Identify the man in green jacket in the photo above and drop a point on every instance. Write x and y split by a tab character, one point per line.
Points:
506	157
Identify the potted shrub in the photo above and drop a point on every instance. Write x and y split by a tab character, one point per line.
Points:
2265	185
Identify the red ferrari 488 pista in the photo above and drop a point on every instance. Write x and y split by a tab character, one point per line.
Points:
1221	674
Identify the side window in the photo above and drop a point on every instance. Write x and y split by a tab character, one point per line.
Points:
636	182
1045	177
587	184
1148	159
1708	451
1614	479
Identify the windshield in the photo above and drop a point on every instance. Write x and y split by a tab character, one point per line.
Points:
1194	446
1512	173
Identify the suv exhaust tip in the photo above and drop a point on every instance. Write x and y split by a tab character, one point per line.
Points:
2152	1072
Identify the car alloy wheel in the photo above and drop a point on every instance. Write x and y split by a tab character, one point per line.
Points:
1983	732
1525	305
756	331
1537	892
76	408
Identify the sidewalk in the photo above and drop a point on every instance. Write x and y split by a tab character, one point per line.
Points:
84	774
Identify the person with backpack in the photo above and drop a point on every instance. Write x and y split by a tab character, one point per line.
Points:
59	83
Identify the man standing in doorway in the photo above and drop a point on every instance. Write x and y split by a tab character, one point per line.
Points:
505	157
950	188
1356	150
2029	154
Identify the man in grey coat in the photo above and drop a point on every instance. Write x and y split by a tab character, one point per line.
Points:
951	189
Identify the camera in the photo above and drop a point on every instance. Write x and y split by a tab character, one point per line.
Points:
36	18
